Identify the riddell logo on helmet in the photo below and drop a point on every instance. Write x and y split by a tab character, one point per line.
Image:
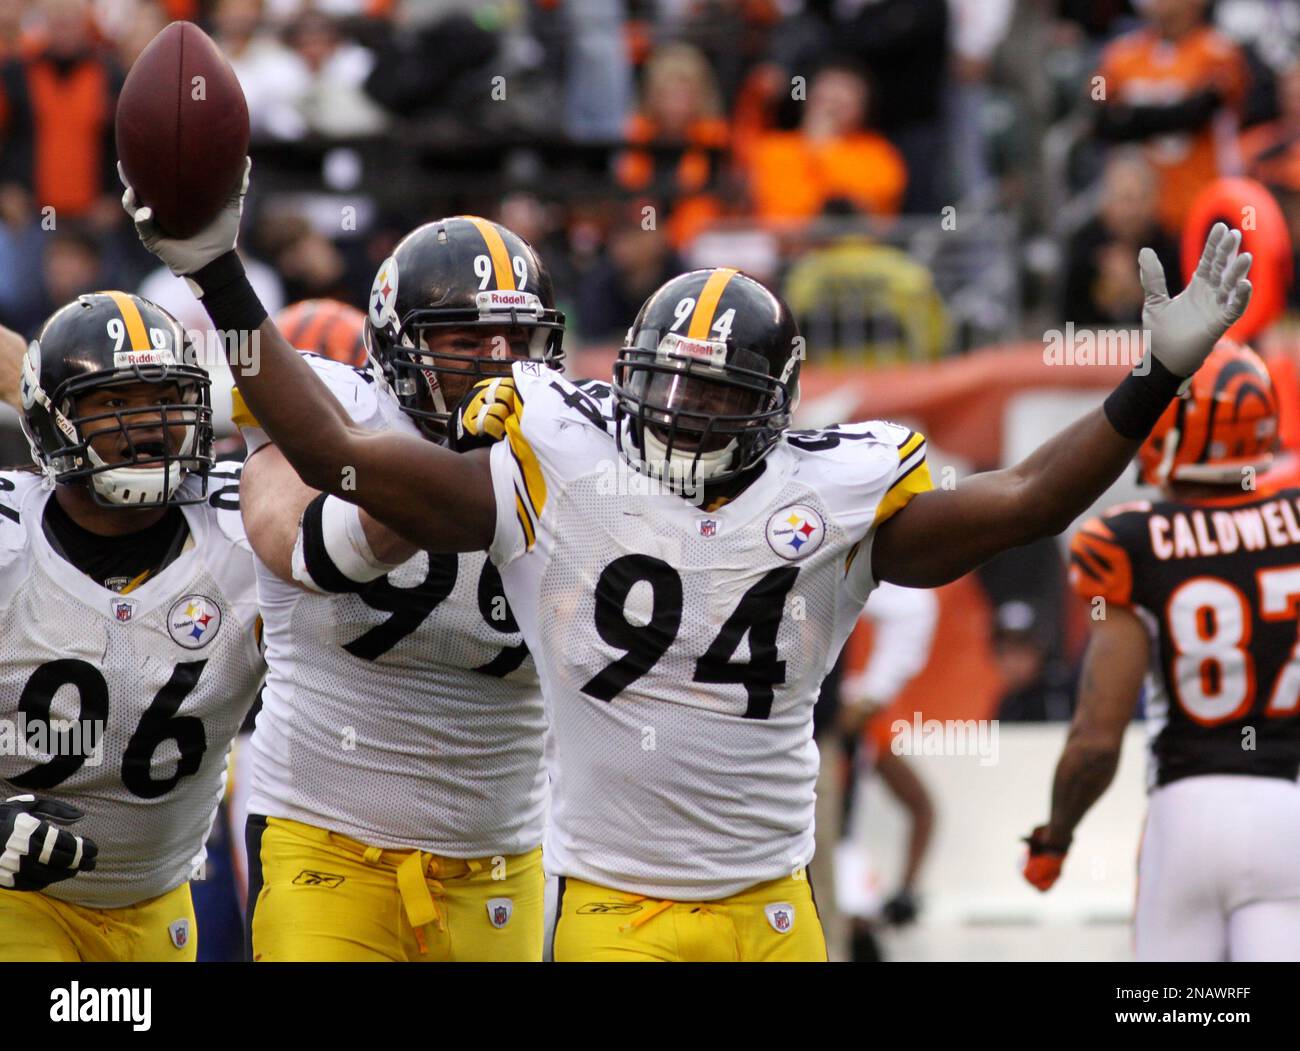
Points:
706	350
493	299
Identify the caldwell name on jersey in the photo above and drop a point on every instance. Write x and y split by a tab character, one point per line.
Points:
1217	583
169	669
681	649
406	715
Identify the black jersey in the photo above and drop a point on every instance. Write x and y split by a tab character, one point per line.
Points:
1217	583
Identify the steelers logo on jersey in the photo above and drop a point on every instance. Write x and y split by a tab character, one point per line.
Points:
193	621
795	531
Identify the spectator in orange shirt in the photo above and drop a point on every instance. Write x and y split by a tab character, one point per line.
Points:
681	114
832	156
57	111
1174	86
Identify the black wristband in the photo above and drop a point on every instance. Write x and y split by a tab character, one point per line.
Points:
224	290
324	572
1141	399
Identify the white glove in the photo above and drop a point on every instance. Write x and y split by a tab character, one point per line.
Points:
1185	329
193	253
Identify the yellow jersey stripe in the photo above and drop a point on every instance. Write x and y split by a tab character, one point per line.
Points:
521	512
707	305
530	468
916	480
240	414
497	252
910	446
135	330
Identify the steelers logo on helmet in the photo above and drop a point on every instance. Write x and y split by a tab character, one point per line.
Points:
795	531
114	399
383	293
708	379
473	299
193	621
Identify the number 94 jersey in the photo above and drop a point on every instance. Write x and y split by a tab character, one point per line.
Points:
681	648
1217	584
145	690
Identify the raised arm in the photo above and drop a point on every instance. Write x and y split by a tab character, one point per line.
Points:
436	499
942	534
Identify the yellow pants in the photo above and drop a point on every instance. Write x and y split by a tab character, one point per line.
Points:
36	928
769	922
319	896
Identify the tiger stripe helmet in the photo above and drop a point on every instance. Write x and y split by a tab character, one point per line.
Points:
326	327
1227	423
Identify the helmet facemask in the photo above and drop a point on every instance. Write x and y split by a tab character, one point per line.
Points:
430	375
145	451
696	412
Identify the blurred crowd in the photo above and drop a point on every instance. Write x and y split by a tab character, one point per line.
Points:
819	143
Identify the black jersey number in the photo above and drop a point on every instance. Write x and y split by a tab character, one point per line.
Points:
158	724
411	606
758	614
820	441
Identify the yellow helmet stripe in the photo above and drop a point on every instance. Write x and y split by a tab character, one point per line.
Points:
135	329
497	252
707	305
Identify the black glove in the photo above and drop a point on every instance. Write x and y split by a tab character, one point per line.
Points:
901	909
33	852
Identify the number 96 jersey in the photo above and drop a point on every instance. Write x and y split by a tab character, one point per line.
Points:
681	648
144	690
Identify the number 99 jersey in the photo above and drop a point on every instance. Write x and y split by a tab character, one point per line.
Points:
1217	584
145	689
681	648
406	715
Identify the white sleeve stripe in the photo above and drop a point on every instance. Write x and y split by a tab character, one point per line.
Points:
911	463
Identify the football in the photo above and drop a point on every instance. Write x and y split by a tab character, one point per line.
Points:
182	128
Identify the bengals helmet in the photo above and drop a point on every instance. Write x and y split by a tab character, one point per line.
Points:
708	379
101	341
326	327
1227	423
457	273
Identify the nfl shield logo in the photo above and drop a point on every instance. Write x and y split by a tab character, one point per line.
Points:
709	527
180	932
123	610
780	916
499	911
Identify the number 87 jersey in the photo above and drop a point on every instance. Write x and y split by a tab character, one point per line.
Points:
1217	584
681	648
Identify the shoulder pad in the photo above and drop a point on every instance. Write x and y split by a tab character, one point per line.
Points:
1100	566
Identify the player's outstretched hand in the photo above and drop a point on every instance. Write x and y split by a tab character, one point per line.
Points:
1185	329
185	256
33	852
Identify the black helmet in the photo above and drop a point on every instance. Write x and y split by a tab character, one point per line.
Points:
708	379
462	272
109	339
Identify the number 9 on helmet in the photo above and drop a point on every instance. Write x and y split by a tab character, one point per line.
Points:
114	398
708	379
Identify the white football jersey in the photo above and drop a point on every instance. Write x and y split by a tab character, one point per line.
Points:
168	669
406	715
681	650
